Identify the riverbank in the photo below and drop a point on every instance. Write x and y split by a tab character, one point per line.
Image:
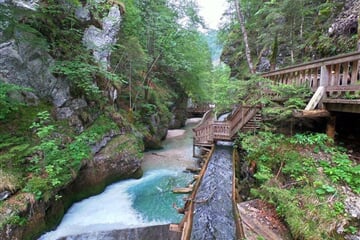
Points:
176	152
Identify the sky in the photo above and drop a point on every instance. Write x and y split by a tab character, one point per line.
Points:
211	11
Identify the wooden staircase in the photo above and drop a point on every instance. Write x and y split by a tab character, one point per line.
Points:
209	130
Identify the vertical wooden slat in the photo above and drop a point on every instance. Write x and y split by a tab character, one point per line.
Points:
345	74
302	78
354	72
308	77
336	75
318	74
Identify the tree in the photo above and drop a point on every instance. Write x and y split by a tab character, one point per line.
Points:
240	17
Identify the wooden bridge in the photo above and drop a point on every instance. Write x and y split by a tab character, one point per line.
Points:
198	110
335	83
209	130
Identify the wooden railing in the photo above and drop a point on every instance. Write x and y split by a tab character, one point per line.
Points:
210	130
338	74
198	109
203	132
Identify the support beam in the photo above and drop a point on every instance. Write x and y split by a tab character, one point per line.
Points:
316	98
331	127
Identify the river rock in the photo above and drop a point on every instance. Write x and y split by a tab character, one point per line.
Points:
4	195
158	127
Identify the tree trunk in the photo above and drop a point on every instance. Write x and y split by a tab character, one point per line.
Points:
245	37
274	54
358	33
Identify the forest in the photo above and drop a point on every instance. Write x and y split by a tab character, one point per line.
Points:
89	85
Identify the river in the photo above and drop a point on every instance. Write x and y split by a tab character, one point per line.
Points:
137	202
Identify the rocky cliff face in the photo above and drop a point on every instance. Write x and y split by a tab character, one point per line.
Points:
346	23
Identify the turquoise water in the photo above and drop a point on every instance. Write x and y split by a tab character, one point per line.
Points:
127	204
154	198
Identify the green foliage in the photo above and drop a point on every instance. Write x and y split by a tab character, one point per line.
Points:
54	162
81	75
299	27
223	90
300	181
318	139
8	104
342	169
287	99
15	220
38	186
155	52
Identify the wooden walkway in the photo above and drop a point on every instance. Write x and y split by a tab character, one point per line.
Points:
198	110
335	83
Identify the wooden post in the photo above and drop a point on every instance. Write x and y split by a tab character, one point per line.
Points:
354	72
324	76
330	127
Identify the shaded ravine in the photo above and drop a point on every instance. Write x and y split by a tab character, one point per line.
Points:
213	216
128	208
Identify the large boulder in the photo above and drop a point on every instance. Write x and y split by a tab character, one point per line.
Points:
157	127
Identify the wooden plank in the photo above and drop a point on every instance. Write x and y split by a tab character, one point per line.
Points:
193	169
182	190
348	88
316	98
336	75
311	113
342	101
345	74
175	228
354	72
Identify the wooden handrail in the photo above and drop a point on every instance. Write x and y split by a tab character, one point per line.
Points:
341	70
317	63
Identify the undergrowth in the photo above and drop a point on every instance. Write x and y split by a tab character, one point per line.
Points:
302	175
47	154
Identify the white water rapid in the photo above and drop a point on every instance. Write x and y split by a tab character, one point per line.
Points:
136	202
